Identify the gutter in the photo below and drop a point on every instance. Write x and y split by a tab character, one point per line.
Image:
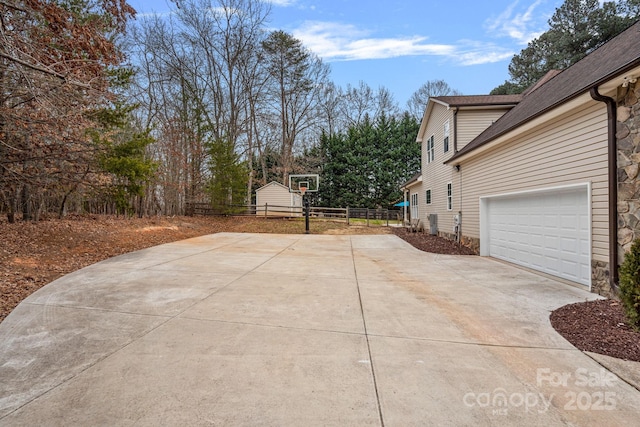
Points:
612	156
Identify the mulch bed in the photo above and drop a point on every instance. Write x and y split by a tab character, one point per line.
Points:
599	327
429	243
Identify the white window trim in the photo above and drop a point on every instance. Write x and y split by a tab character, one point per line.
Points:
414	206
449	196
431	152
428	200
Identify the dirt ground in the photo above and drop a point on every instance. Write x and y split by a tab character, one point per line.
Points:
34	254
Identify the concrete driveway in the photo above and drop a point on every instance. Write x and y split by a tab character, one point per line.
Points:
289	330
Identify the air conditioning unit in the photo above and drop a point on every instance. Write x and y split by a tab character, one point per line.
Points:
433	224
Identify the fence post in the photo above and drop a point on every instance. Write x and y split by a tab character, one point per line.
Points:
387	217
266	208
367	217
347	215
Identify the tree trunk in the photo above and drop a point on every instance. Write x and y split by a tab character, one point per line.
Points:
26	205
11	203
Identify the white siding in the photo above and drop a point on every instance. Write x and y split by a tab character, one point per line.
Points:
472	123
274	194
436	175
569	149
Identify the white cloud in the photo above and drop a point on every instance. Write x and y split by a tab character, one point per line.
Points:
521	26
345	42
282	3
475	53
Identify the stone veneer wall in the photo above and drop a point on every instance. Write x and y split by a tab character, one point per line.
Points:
470	242
600	283
628	139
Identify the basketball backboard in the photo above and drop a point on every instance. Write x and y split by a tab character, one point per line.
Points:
298	182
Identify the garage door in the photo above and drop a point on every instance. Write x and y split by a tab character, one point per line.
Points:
546	231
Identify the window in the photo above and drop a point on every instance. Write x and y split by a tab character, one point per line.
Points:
427	196
449	196
431	153
446	136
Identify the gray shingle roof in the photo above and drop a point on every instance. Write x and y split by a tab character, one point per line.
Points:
413	179
616	57
478	100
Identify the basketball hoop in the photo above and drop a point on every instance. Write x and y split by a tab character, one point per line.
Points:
303	190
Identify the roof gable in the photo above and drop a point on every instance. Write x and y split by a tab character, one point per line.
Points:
272	183
616	57
466	101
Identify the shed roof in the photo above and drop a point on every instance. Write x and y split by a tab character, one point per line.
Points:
271	184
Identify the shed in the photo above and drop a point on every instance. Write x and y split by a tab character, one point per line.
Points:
275	199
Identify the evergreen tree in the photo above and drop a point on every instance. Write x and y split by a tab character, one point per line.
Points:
130	169
366	165
577	28
122	156
227	186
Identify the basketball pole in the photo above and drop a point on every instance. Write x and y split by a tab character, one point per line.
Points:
305	201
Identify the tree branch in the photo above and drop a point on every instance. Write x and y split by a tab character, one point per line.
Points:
44	70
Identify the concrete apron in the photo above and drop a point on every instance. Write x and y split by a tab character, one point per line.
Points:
248	329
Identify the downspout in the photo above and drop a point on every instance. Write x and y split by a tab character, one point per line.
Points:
455	150
613	183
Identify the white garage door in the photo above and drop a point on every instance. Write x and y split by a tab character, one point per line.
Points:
546	231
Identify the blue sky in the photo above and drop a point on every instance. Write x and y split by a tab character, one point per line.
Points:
403	44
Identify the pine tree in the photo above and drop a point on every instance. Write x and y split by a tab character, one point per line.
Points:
577	28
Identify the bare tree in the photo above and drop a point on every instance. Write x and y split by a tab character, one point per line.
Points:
331	119
227	33
171	90
298	78
418	101
385	104
201	80
358	102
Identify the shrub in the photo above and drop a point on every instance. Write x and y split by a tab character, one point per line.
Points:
630	284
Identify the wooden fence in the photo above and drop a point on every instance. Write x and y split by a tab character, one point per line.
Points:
371	216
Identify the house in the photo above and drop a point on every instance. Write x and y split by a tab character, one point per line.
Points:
448	124
551	185
275	199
